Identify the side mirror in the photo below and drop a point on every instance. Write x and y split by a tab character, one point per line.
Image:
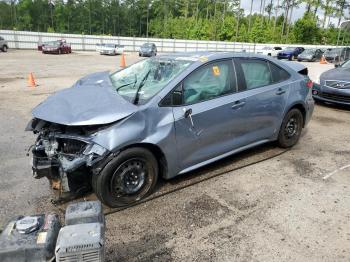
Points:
336	65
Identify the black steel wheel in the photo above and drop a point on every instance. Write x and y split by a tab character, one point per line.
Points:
127	178
291	128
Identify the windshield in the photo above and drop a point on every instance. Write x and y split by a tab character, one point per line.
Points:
141	81
309	52
109	45
346	64
53	43
147	45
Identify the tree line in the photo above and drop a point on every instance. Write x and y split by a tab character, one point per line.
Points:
223	20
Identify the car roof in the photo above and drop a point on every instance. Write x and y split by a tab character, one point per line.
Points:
201	57
210	55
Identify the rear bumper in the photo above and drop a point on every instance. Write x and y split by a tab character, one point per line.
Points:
310	104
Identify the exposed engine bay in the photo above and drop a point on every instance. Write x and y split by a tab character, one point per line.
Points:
66	156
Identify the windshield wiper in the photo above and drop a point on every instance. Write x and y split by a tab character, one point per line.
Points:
137	95
128	84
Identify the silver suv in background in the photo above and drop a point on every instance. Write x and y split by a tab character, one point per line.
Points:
3	44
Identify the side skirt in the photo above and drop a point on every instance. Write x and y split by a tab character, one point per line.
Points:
223	156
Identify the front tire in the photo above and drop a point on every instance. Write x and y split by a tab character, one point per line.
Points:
127	178
291	128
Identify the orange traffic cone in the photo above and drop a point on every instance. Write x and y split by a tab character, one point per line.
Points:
31	80
323	61
122	61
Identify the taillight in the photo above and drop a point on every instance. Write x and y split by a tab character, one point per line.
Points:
309	84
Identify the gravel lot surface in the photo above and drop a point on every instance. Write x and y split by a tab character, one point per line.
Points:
281	209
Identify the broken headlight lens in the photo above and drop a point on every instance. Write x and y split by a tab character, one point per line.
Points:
95	149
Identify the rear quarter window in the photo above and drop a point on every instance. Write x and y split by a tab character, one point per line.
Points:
278	73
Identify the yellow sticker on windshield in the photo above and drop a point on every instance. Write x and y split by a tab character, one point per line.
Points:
216	71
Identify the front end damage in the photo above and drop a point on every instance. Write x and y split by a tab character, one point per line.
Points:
67	156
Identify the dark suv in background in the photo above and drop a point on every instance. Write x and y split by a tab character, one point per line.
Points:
3	44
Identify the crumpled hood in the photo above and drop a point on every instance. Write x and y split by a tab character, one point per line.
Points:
337	74
90	101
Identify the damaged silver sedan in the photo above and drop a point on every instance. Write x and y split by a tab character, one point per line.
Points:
165	116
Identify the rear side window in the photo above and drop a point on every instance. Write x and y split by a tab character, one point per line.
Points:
278	74
256	73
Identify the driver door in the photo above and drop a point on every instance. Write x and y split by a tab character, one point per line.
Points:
204	119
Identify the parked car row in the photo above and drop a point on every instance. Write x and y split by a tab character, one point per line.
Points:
332	55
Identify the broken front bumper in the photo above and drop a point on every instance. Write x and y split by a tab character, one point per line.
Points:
67	161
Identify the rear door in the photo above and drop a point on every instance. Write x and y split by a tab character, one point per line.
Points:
264	88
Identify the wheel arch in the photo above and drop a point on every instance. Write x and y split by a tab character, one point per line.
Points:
300	107
157	152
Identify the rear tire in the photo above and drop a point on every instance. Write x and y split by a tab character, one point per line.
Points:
4	48
127	178
291	128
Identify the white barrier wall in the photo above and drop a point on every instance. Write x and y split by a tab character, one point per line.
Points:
30	40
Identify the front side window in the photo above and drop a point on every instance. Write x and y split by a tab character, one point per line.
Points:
141	81
256	73
208	82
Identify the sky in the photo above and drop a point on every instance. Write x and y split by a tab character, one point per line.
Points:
297	12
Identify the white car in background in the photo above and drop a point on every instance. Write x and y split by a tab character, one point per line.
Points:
111	49
270	51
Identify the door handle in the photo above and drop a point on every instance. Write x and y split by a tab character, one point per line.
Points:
188	114
280	91
238	104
